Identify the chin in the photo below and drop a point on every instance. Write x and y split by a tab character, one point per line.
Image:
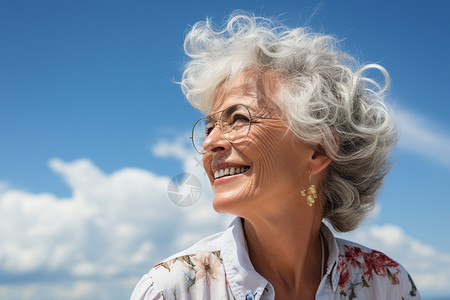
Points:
226	205
221	206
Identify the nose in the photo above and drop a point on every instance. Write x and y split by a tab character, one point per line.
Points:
215	141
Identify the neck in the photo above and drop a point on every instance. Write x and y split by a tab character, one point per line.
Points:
287	251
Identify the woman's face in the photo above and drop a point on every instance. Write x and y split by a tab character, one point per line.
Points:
273	165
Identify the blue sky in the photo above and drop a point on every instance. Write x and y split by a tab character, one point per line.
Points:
93	126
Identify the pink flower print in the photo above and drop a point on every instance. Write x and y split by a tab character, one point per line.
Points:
378	263
206	265
353	256
345	274
369	263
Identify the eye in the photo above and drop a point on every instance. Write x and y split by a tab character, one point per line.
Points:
235	117
209	126
239	119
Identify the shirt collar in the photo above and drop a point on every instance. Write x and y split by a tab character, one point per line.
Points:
242	277
333	256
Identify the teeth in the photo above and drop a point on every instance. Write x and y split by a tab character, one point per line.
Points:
232	171
229	171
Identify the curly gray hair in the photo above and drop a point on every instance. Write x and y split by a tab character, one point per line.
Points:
323	96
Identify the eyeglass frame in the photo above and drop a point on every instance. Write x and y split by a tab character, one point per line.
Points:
221	124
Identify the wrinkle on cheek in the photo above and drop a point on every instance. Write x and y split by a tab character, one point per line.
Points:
247	192
265	157
278	159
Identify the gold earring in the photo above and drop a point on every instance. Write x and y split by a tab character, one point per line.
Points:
310	192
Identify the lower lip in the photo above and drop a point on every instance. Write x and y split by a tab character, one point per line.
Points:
225	179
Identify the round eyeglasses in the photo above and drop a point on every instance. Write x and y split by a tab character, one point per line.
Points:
235	122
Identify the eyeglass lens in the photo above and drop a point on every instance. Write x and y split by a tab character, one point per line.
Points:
234	123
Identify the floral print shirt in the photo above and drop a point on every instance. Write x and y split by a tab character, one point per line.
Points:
219	267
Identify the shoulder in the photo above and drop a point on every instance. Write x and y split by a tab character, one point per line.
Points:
186	272
365	273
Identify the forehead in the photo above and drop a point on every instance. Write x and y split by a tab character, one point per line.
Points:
241	91
255	89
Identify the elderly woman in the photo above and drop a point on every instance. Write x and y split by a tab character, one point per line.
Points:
294	134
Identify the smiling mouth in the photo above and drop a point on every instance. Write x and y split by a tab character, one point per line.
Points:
230	171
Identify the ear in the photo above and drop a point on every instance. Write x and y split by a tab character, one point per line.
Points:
318	162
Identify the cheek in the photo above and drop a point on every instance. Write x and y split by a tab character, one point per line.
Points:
274	158
265	150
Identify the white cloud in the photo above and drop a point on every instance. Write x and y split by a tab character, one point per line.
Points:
175	149
114	226
77	289
421	136
429	268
